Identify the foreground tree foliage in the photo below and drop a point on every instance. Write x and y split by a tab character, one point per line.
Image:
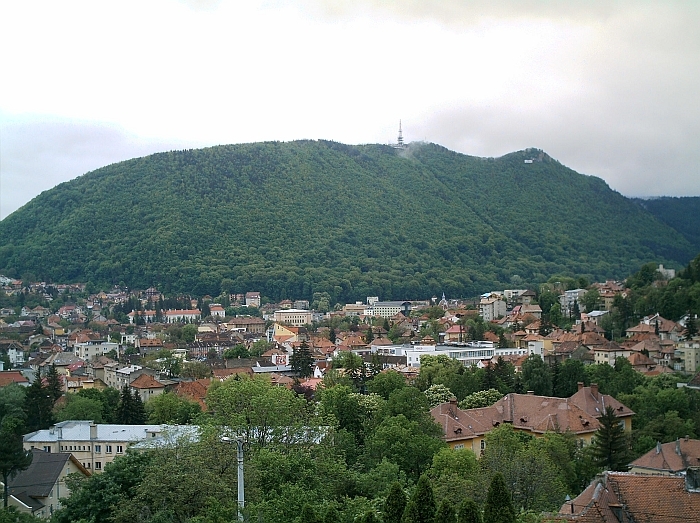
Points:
499	505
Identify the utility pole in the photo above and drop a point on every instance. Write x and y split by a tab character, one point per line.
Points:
241	487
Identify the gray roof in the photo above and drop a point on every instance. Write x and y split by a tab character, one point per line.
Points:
79	430
39	478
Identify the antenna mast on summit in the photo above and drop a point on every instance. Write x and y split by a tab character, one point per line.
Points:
400	140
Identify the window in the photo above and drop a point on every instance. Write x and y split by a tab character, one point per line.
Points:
47	448
483	444
87	466
120	449
98	448
460	446
108	448
98	465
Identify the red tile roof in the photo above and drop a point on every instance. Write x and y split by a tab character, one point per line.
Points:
11	376
635	497
675	456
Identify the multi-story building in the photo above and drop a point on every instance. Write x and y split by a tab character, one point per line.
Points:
492	307
567	300
389	309
687	356
91	349
294	317
93	445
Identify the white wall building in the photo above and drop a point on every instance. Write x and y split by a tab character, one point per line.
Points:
89	350
389	309
492	308
294	317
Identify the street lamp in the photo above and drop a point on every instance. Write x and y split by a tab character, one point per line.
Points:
241	491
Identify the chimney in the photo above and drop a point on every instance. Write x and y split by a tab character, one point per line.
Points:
93	432
580	385
531	392
453	401
678	447
594	390
658	447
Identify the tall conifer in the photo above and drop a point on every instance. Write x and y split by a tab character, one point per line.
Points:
499	503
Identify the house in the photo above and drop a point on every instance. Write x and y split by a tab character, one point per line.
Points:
93	445
217	311
146	387
252	299
621	497
39	489
609	352
669	458
249	324
13	376
536	415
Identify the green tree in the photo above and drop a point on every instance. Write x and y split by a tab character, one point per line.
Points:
94	499
369	336
302	361
483	398
468	512
438	394
38	405
189	333
402	441
385	383
260	412
238	351
445	512
332	336
499	504
610	442
169	408
536	376
395	504
80	408
308	514
13	457
130	410
421	507
54	386
571	372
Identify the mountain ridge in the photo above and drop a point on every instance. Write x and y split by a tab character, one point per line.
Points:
294	218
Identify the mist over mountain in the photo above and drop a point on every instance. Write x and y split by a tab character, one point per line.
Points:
291	219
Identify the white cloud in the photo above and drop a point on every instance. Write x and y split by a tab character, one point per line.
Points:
607	88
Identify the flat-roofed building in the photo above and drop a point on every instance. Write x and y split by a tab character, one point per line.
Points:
294	317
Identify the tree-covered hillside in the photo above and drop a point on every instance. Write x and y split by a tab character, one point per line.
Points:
291	219
683	214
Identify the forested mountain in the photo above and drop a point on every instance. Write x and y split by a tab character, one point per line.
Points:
683	214
291	219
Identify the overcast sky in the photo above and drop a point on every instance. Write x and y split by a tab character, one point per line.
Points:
610	89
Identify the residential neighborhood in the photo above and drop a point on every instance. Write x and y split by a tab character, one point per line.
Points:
111	375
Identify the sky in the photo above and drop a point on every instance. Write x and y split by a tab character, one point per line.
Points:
608	88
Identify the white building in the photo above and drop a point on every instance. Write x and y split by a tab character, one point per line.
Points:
95	445
389	309
471	353
89	350
182	315
568	299
492	307
294	317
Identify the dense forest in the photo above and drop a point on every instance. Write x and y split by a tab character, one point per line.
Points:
292	219
683	214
